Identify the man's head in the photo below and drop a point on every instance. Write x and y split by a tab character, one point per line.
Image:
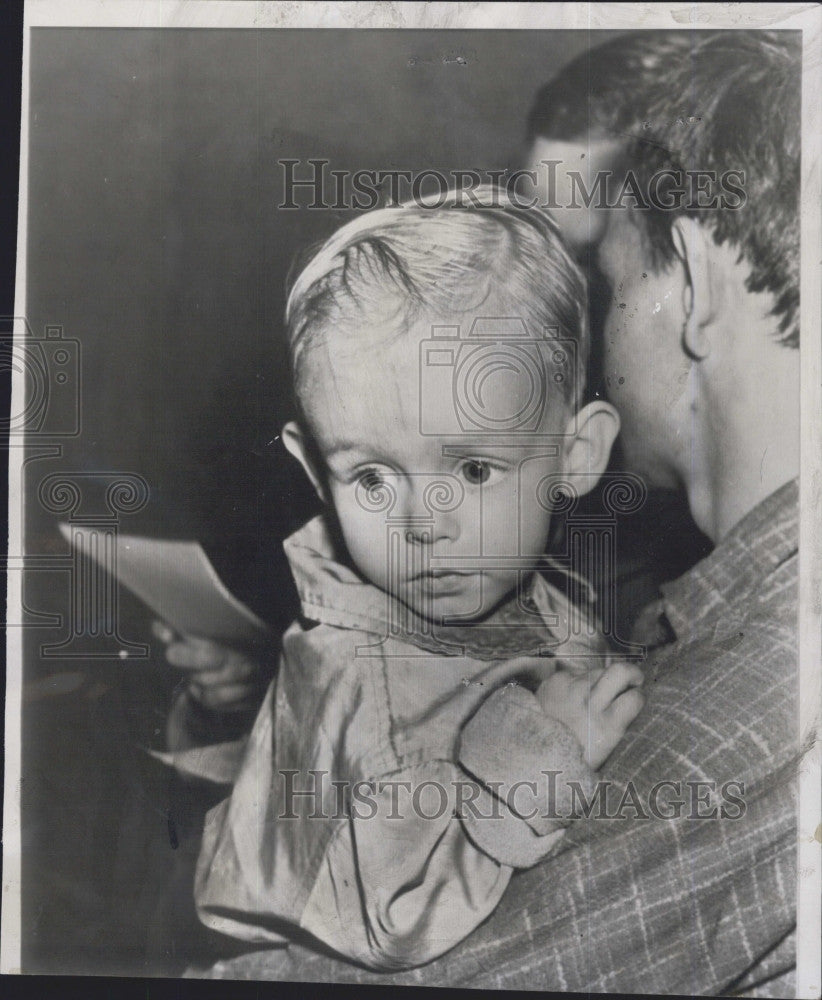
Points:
701	251
437	374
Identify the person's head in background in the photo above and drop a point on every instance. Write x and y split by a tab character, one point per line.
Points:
701	328
433	363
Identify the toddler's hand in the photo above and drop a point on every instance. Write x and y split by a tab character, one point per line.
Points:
597	706
219	678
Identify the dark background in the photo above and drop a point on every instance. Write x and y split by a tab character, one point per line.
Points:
154	236
155	241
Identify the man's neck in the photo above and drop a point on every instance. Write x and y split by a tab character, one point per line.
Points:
746	446
738	491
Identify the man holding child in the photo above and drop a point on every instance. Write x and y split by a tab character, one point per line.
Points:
700	345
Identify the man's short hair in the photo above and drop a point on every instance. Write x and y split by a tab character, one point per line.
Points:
715	101
482	256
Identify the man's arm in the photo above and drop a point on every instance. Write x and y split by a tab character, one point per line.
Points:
639	901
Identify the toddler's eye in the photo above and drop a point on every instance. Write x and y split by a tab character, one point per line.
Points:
370	480
476	472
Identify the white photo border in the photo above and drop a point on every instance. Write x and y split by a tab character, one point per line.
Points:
274	15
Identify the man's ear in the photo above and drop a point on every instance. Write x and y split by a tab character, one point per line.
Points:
699	291
298	445
589	438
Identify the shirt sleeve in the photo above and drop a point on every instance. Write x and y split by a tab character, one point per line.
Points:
203	745
401	883
428	851
393	883
530	769
392	868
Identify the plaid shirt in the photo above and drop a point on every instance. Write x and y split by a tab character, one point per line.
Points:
668	905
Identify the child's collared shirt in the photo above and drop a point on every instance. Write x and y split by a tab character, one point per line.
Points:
396	773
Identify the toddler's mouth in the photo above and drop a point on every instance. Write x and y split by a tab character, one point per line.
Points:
441	582
441	574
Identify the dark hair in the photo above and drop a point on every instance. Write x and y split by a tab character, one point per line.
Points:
714	101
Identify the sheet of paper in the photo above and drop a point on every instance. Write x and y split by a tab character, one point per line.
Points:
178	582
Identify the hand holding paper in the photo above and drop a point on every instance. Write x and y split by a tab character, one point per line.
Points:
177	581
220	678
209	634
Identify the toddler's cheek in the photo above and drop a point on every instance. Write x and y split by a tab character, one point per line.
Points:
372	561
499	526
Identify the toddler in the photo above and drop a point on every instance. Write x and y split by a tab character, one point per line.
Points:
432	702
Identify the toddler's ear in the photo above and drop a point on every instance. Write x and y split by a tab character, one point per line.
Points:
298	445
589	438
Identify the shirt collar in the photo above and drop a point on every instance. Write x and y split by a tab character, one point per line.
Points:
329	591
764	539
335	594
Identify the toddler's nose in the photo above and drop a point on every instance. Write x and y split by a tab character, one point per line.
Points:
433	513
430	532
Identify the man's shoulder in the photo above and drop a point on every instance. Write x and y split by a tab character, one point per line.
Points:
733	686
752	618
748	582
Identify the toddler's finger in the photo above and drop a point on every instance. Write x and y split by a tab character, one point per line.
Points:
625	708
590	678
616	679
609	727
566	692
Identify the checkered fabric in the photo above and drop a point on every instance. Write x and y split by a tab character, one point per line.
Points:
699	903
